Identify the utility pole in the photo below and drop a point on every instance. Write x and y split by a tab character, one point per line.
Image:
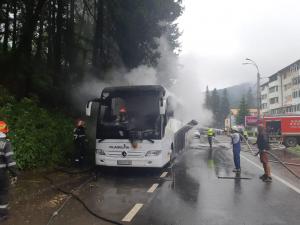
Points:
258	96
251	62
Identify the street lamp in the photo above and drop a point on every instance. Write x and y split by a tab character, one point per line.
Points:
251	62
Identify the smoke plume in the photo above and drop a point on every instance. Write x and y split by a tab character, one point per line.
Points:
181	77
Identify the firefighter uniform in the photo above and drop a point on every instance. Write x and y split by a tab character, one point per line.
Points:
7	163
210	135
79	142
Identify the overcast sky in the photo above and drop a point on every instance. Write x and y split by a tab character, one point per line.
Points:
219	34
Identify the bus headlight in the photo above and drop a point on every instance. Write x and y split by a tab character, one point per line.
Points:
153	153
100	152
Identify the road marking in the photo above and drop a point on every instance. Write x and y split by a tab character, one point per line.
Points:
152	188
132	212
273	175
164	174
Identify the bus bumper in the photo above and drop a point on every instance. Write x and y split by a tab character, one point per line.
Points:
151	162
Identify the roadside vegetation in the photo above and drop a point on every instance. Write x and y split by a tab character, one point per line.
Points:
40	137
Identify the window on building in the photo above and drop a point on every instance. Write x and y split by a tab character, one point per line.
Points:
264	96
264	106
287	86
295	94
273	78
296	80
294	68
273	89
274	100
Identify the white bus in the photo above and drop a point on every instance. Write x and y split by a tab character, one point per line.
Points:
135	126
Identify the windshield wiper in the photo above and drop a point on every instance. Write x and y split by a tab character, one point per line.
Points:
150	140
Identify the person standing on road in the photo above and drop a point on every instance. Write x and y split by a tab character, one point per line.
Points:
245	134
7	163
210	135
80	142
236	148
263	146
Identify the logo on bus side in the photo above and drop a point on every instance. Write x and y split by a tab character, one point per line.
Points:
119	146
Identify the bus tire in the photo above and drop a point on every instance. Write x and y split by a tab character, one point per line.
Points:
290	141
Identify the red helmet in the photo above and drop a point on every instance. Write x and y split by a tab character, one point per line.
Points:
80	123
123	109
3	127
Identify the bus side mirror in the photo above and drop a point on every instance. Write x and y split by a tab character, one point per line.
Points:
88	108
170	113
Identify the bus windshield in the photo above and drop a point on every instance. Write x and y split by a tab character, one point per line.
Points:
130	115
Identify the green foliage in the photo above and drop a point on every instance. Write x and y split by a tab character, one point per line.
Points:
215	106
224	105
243	111
39	137
250	98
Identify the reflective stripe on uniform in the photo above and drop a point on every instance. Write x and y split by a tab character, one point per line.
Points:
11	164
3	206
9	153
1	153
2	165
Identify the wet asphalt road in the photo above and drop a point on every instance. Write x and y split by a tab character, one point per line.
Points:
190	193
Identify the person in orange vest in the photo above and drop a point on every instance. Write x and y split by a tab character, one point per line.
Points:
7	163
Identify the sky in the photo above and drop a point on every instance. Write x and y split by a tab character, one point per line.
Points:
219	34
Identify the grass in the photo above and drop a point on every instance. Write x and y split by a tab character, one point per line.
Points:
295	149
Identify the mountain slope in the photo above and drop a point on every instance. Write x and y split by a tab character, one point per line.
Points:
236	92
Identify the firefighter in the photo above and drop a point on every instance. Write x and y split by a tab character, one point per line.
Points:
7	163
245	134
79	142
263	146
236	148
210	135
122	117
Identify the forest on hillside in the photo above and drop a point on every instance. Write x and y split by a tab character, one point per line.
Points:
46	46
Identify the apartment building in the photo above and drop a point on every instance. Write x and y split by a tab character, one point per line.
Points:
264	98
281	94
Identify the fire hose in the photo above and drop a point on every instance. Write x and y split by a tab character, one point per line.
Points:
71	194
274	156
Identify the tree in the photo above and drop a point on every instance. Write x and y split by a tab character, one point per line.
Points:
243	111
207	102
46	46
224	106
215	107
250	99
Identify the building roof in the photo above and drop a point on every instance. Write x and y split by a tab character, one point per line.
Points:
265	84
285	68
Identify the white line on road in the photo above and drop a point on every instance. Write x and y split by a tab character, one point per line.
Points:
164	174
132	212
152	188
273	175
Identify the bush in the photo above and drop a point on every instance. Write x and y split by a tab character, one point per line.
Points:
40	137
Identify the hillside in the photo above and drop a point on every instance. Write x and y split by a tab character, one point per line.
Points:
237	91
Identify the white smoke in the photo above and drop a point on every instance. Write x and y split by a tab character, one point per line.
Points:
183	75
142	75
